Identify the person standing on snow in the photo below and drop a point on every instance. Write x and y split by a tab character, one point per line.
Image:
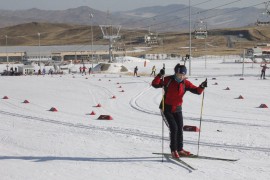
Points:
153	71
39	72
84	68
136	71
43	71
264	67
80	70
89	70
175	87
51	71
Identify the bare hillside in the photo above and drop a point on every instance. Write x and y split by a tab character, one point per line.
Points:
219	41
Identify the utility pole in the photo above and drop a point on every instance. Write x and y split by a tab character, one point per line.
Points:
91	21
39	50
6	51
189	39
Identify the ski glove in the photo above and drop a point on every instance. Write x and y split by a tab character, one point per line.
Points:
204	84
162	72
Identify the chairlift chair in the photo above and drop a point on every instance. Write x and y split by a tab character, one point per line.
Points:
200	34
200	30
264	17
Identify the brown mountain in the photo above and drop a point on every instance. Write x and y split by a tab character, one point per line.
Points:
217	42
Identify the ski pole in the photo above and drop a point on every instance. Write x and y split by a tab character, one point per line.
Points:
162	135
162	113
200	125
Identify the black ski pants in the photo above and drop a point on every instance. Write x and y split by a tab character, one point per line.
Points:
174	121
263	75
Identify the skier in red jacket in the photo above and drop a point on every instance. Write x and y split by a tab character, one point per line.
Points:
175	87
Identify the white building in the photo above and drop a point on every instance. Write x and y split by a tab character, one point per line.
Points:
26	69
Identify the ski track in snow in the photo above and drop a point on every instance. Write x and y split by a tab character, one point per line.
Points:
71	144
129	132
134	104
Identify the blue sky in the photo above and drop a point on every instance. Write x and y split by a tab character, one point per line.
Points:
113	5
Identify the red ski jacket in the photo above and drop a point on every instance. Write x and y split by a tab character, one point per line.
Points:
174	91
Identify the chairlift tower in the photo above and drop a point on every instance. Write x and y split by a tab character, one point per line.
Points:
152	37
111	33
264	18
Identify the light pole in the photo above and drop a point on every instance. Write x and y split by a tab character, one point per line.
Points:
91	17
6	51
240	36
189	39
205	45
205	54
39	50
243	66
243	63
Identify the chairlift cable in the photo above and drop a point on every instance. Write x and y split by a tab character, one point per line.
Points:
191	14
240	9
164	14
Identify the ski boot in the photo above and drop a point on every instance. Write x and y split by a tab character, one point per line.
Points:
184	153
175	155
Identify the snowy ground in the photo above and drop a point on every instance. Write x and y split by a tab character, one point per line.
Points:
36	143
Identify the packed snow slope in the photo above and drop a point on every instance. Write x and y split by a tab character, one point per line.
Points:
37	144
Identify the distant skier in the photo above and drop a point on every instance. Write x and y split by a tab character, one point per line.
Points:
136	71
12	71
175	87
264	67
153	71
89	70
80	70
84	68
51	71
43	71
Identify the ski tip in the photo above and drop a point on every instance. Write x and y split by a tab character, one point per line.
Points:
234	159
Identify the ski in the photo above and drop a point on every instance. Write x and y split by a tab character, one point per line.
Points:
178	160
200	157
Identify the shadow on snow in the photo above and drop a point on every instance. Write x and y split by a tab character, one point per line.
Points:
54	158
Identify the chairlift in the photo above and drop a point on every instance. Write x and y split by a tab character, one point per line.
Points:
264	17
200	30
151	39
